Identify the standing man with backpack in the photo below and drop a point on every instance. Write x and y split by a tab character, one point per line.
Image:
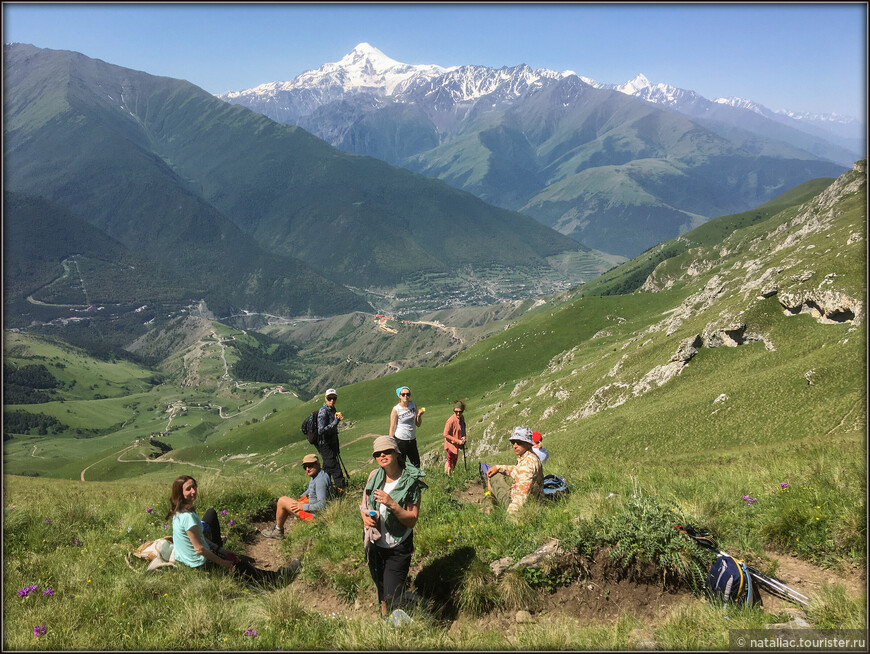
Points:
327	438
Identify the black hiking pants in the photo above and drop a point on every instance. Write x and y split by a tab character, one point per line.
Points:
408	450
389	567
328	449
211	527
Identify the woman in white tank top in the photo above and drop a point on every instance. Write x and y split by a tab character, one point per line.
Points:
404	420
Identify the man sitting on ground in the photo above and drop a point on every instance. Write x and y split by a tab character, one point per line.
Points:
313	500
527	474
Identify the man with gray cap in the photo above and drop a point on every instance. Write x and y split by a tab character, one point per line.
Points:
527	474
327	438
314	499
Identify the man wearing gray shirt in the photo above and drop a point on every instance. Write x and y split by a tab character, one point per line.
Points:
312	500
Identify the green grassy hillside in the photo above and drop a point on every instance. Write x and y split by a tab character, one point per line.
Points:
144	158
729	391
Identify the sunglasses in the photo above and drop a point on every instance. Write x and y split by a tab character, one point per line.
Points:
308	465
457	411
405	394
332	398
377	455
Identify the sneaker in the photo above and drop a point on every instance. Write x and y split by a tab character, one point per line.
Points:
274	532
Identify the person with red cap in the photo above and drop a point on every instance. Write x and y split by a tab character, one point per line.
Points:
542	453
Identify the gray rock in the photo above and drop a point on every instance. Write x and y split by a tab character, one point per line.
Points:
523	617
641	639
534	560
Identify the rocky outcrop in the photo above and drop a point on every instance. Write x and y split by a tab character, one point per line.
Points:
827	306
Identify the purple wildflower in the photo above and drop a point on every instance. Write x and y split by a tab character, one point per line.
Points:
231	522
24	592
77	542
39	630
166	526
47	521
224	512
48	592
251	632
749	500
149	509
784	485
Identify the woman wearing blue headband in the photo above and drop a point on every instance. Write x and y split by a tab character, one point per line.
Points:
404	420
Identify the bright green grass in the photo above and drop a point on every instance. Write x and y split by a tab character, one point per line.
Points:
99	601
794	414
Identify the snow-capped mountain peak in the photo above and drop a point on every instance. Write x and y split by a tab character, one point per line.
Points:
367	56
634	86
364	67
742	103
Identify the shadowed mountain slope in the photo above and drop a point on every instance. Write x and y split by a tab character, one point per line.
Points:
161	164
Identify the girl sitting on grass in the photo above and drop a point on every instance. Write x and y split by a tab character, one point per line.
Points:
196	551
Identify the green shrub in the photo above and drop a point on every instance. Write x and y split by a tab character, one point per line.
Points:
643	533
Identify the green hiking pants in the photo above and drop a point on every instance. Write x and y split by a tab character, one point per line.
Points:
501	489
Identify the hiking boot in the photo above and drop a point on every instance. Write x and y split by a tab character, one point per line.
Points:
274	532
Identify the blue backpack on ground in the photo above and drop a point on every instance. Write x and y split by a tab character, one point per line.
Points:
555	486
729	581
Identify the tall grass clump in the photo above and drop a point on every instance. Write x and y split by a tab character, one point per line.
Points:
831	608
478	593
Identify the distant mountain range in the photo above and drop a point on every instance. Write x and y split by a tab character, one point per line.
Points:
248	212
618	168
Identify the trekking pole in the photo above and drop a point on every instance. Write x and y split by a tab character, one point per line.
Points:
341	462
777	587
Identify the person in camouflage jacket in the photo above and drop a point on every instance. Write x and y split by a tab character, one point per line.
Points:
527	474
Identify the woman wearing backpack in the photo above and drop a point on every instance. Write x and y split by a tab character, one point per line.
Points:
390	508
404	420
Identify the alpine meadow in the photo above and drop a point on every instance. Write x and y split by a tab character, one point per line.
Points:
184	277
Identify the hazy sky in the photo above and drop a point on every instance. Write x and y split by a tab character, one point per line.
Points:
797	56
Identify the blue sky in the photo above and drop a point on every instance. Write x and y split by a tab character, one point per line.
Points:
802	57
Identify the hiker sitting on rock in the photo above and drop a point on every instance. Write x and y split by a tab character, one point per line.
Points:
314	499
195	550
389	509
527	474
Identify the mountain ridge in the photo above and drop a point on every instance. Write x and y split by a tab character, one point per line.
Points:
146	159
439	124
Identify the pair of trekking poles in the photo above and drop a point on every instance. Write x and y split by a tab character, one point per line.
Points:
771	584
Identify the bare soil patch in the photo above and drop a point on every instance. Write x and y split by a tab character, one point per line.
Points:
807	579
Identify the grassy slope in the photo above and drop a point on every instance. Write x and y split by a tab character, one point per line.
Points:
794	414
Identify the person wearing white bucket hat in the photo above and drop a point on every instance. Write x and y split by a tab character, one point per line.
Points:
527	474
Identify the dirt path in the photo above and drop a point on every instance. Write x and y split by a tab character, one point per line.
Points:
157	460
129	447
807	579
266	552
